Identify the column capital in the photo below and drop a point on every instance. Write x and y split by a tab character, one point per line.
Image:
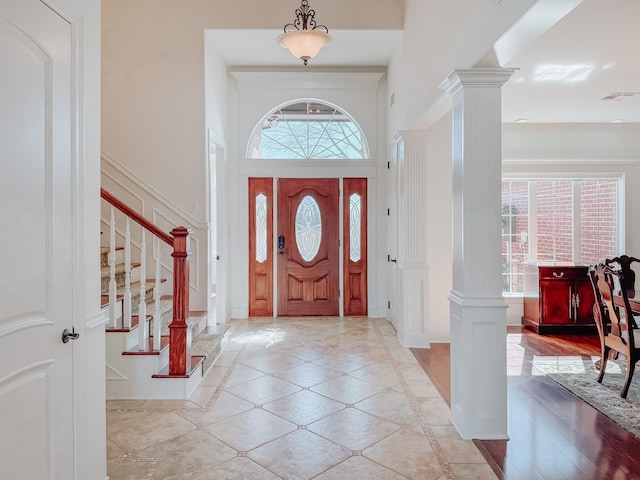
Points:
476	77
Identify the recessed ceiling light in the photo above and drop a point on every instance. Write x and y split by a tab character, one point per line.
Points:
521	120
619	95
619	120
562	73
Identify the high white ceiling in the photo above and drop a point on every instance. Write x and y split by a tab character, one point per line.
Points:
589	55
564	75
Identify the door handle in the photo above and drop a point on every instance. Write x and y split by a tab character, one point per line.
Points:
69	335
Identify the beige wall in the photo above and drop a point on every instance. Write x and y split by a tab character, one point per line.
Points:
216	93
153	98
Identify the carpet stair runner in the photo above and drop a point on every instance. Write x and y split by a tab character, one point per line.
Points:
207	342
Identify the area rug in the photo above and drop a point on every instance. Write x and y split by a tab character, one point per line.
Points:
579	377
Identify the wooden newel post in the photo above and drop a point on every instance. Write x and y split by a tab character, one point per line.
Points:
179	331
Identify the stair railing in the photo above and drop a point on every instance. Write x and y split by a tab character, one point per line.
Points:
178	239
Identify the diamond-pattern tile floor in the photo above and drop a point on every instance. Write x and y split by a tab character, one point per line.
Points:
297	399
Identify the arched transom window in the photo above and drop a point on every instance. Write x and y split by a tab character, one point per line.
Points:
308	129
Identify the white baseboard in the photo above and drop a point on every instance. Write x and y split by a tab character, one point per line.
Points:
515	310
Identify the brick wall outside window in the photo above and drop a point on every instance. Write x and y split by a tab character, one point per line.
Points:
598	213
556	207
554	204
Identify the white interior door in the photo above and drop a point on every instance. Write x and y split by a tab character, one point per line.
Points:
36	384
218	236
213	235
392	237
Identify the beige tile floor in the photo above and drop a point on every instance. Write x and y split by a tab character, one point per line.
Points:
297	398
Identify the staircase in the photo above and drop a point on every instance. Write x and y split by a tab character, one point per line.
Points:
135	369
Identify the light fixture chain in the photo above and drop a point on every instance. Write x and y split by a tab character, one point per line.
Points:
305	18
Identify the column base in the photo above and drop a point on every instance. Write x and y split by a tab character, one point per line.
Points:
478	367
412	321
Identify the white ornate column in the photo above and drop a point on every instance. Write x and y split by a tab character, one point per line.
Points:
413	328
477	309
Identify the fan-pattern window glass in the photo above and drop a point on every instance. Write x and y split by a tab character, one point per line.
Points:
308	130
308	228
261	228
354	230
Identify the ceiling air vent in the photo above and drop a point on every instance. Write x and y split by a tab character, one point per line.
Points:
617	95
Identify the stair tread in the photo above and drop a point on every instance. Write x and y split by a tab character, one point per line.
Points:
107	249
135	287
192	313
203	344
164	344
165	306
119	327
120	267
150	281
104	299
196	361
219	329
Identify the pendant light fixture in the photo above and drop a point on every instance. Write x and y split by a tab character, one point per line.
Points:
304	38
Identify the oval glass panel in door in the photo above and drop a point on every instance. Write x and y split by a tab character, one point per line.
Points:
308	228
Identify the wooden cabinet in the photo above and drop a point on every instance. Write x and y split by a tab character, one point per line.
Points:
558	299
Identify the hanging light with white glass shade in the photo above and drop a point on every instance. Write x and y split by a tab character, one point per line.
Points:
304	37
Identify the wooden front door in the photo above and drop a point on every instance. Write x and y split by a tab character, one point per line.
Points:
308	247
354	212
38	268
260	247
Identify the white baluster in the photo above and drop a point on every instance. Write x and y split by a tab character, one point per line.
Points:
127	277
157	321
112	269
142	306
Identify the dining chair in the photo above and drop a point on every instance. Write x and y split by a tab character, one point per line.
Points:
623	335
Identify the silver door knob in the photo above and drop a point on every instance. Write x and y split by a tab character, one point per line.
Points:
69	335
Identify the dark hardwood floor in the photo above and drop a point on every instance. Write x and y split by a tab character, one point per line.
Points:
552	434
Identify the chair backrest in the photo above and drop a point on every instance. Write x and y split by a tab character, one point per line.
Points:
624	263
593	276
600	313
620	312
